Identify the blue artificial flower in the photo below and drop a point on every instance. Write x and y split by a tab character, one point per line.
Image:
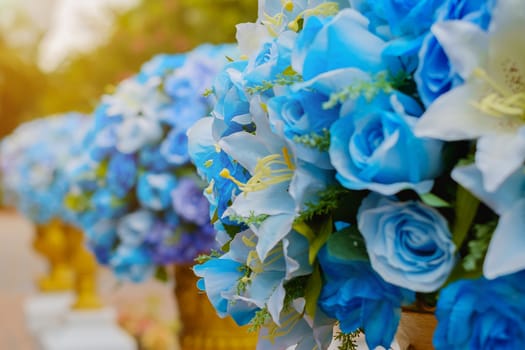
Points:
153	190
107	204
101	238
355	295
159	66
133	228
482	314
343	41
131	264
232	104
303	115
36	162
121	173
240	282
374	147
273	58
435	74
409	243
210	161
174	148
136	132
152	159
189	202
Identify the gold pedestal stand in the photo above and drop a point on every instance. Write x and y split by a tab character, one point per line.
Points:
202	329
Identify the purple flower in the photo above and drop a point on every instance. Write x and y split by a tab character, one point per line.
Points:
189	202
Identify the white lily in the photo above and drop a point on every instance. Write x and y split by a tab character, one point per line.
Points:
490	106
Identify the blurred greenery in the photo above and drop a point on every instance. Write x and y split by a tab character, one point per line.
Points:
153	27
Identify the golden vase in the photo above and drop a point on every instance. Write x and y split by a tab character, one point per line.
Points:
202	329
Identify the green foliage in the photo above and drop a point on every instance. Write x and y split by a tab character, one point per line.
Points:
328	201
478	246
313	290
287	77
347	243
348	341
249	220
434	201
153	27
202	258
261	318
315	140
466	209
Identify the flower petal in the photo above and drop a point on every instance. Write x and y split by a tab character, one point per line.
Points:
505	254
465	44
452	117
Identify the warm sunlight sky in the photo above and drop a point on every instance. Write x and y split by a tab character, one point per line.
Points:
73	24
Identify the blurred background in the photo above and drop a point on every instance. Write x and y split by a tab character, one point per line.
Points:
62	55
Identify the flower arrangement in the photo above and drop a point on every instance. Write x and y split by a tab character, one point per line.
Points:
135	192
368	156
34	159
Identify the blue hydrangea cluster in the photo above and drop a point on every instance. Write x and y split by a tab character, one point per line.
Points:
385	140
34	160
135	193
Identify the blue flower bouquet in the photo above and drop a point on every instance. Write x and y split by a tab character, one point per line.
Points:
34	160
367	157
135	193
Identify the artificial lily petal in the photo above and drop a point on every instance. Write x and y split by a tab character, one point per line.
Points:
505	253
500	151
452	118
464	43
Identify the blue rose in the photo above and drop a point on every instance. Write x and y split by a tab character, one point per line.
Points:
343	41
132	264
273	58
409	244
482	314
121	173
374	147
133	228
435	75
355	295
232	103
153	190
399	18
303	115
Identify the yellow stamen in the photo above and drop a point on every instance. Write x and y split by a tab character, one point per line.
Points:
288	5
324	9
244	57
501	102
208	163
270	170
217	148
209	188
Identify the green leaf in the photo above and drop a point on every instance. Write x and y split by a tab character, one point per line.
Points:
466	209
434	201
347	244
313	290
161	274
305	230
320	239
